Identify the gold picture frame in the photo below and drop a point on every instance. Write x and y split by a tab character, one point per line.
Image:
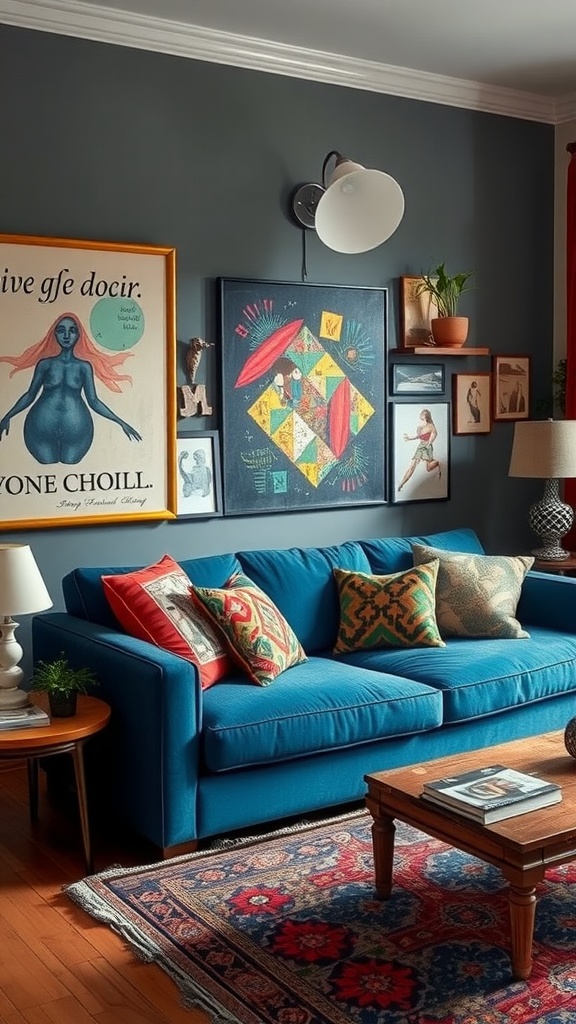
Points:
87	382
416	312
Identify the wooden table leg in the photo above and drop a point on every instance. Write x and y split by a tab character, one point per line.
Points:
383	831
78	757
522	903
32	767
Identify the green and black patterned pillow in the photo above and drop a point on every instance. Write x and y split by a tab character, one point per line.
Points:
477	595
396	610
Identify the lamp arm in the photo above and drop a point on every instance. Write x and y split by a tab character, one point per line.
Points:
333	152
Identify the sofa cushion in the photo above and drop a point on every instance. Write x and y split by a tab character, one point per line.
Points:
319	706
392	554
387	611
477	595
301	584
154	604
84	594
257	635
481	677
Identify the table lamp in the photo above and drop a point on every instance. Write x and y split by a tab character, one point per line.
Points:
546	450
22	592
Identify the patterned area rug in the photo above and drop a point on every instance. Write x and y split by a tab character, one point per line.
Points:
287	930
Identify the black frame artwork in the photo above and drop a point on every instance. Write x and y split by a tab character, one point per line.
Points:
303	395
412	452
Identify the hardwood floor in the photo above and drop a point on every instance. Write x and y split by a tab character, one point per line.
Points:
57	965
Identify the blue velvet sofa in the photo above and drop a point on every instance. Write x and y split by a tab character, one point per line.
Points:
188	763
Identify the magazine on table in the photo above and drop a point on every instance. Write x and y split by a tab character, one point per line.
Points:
23	718
492	793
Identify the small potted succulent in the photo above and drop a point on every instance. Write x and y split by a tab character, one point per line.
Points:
448	328
62	683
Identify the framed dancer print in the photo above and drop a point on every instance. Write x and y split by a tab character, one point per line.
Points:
303	395
420	451
87	382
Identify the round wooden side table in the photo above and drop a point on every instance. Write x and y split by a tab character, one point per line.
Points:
63	735
562	566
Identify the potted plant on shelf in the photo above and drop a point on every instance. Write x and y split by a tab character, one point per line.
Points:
448	329
62	683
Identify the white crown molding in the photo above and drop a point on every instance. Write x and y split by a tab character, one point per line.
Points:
102	24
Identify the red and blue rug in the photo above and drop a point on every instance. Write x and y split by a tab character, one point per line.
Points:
287	930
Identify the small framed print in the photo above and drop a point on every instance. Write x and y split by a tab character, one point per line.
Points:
416	312
471	403
511	387
417	379
199	483
420	451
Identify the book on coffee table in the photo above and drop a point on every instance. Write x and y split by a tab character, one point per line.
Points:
492	793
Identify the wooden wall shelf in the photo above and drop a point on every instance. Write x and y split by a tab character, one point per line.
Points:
436	350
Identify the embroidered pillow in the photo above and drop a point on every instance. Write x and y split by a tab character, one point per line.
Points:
477	595
256	632
387	611
154	604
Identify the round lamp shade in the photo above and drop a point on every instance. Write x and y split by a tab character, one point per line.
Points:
359	210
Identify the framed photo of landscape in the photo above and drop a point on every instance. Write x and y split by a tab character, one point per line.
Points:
87	382
471	403
420	443
417	379
303	395
511	387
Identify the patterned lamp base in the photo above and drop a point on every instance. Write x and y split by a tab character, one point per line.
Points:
551	518
570	737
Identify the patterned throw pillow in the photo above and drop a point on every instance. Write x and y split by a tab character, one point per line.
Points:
477	595
256	632
387	611
154	604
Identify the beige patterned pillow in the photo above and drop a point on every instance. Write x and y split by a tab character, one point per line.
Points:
477	595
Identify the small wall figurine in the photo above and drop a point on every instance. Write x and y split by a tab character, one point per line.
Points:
194	397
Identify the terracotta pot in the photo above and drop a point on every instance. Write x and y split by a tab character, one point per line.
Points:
449	331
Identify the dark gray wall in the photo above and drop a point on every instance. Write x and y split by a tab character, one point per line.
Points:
110	143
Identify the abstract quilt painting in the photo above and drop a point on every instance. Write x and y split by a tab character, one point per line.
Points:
303	382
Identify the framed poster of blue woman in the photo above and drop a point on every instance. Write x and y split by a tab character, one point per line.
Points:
303	395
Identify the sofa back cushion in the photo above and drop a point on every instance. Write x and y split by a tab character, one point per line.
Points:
84	594
394	554
301	583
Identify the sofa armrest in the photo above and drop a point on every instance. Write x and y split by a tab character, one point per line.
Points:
549	601
154	732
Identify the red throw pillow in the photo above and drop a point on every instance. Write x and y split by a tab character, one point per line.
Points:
154	604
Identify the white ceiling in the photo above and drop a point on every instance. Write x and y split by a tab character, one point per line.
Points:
508	56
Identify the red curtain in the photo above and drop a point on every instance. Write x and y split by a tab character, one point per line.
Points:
570	485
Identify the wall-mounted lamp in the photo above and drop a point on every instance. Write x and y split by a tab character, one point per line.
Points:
354	210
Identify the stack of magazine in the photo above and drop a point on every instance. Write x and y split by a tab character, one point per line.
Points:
492	794
23	718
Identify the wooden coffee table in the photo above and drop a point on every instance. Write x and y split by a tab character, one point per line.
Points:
522	847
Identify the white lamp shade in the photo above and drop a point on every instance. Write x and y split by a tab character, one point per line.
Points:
22	589
359	210
544	449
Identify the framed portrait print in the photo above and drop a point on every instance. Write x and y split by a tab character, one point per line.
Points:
416	312
420	439
303	395
511	387
417	379
471	403
87	382
199	483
